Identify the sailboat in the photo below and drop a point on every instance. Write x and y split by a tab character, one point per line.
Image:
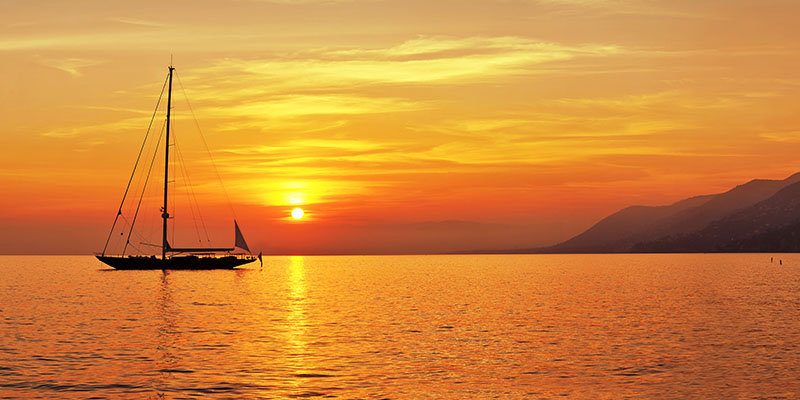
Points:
203	258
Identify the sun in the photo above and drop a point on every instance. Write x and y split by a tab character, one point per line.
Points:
297	213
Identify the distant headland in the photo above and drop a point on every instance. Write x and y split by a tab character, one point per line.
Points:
758	216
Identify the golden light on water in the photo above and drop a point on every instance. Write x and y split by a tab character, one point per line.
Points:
297	213
297	295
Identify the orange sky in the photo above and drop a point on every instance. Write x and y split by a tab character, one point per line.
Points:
399	126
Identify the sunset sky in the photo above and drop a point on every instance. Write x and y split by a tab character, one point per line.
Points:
398	126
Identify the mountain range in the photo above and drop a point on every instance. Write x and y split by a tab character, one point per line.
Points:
758	216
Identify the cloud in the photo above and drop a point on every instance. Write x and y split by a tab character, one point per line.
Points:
292	106
127	124
589	3
342	82
305	2
136	21
326	89
621	7
70	65
301	171
782	137
60	41
426	60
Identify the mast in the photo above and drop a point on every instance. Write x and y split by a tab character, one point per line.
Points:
164	213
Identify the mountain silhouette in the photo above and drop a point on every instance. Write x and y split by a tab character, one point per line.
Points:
770	225
729	221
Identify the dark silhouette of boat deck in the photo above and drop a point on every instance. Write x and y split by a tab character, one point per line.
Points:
176	262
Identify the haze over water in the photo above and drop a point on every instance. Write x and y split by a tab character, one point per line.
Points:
405	327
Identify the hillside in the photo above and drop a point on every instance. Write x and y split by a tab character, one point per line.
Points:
770	225
639	228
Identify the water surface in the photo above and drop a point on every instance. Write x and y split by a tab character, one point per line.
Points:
405	327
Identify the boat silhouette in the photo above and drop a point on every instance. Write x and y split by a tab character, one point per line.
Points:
174	257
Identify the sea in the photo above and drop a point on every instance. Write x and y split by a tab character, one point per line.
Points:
405	327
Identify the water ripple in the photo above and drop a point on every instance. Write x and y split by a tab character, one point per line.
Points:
583	326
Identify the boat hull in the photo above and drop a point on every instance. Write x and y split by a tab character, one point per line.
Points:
177	262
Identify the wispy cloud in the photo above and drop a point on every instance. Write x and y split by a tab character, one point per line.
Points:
74	131
348	82
621	7
291	106
106	40
425	60
71	66
306	2
591	3
136	21
782	137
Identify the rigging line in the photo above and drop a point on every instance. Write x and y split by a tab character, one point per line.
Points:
200	131
136	214
144	190
125	220
141	237
179	158
193	194
137	249
138	235
190	195
129	223
135	165
180	161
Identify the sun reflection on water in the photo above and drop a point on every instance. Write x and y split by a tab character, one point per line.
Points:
168	327
296	317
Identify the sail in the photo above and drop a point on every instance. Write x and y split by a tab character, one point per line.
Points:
239	242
